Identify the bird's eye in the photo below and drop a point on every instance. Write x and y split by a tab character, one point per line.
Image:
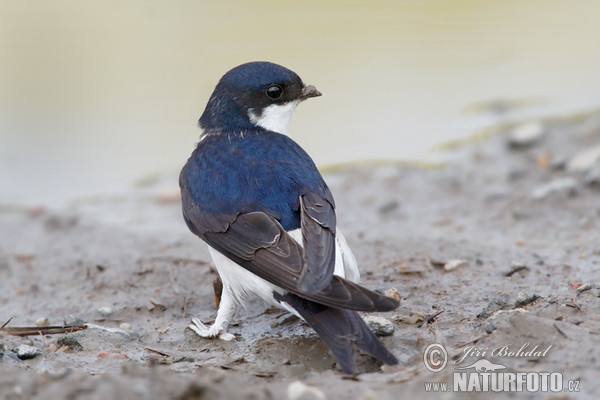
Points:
274	91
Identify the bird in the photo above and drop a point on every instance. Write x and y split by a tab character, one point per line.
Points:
260	203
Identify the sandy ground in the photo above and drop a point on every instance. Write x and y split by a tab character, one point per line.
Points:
525	222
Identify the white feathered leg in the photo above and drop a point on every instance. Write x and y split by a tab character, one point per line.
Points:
219	327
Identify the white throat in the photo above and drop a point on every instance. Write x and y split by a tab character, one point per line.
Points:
275	117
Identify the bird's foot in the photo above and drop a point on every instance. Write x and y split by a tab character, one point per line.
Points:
211	332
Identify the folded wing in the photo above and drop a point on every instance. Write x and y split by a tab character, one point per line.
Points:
259	243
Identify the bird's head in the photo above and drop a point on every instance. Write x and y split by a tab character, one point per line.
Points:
255	95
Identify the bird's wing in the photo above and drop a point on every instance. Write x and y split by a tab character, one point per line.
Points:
259	243
317	221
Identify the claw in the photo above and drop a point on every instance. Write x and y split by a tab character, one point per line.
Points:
226	336
209	332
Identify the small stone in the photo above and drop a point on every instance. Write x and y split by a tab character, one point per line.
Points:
592	177
155	305
24	257
500	302
70	343
25	352
395	294
125	326
4	263
491	327
42	322
566	186
524	298
453	264
584	159
558	162
389	207
516	174
379	325
60	222
525	135
112	355
73	320
543	160
105	311
516	267
298	390
584	288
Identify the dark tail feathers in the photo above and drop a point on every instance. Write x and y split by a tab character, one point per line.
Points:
341	330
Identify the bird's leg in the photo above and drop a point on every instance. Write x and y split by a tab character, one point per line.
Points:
218	289
219	327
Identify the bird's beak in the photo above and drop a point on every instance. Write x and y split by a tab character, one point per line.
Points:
309	91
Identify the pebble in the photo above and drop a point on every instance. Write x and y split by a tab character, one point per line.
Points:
4	264
515	267
453	264
560	185
124	332
298	390
70	342
524	298
112	355
60	222
388	207
73	320
125	326
525	135
500	302
379	325
395	294
105	311
585	159
42	322
491	327
584	288
558	162
25	352
592	177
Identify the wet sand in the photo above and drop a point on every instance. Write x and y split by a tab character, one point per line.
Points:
501	248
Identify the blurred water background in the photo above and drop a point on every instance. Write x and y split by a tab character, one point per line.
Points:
97	95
